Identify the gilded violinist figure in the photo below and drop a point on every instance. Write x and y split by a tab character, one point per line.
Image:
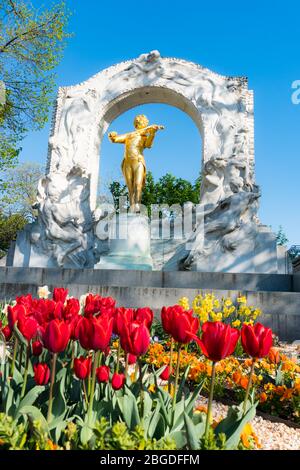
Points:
133	165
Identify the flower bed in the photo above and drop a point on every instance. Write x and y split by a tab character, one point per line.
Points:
66	383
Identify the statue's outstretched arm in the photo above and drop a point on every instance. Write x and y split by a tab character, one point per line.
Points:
149	139
117	139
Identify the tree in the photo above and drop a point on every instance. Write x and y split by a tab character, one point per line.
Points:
31	45
9	227
281	236
19	193
167	190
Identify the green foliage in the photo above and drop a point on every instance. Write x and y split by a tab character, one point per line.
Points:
118	437
168	190
32	40
19	189
10	225
281	236
142	415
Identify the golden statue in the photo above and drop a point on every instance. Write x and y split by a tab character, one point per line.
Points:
133	165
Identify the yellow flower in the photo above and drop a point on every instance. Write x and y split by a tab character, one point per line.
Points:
236	323
256	313
216	316
228	302
250	322
216	304
184	302
241	300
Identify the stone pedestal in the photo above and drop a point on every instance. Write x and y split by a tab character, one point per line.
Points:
129	244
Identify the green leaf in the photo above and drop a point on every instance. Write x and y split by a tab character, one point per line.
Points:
190	402
179	438
59	406
86	434
191	433
30	397
233	425
156	416
35	415
20	336
129	410
182	383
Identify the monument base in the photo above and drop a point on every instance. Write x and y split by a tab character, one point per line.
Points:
129	244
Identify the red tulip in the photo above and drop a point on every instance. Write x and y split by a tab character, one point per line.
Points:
60	294
218	340
117	381
256	340
144	315
27	326
97	304
167	314
102	373
58	310
166	373
95	332
122	315
25	300
41	374
82	367
13	313
56	336
7	332
135	338
180	323
43	310
37	348
74	326
71	309
131	359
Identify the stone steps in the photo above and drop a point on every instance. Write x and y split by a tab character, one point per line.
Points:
281	307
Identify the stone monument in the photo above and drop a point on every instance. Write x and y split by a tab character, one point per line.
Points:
228	236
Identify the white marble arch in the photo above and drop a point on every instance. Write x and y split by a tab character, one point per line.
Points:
222	109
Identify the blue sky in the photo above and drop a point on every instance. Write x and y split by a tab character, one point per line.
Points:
256	39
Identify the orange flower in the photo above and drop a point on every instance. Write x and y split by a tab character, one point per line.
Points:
201	409
236	377
280	389
248	436
263	397
244	382
274	355
248	362
287	394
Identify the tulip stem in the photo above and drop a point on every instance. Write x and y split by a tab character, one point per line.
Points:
118	356
90	410
136	369
210	399
21	355
176	376
52	380
73	354
12	369
90	355
171	364
249	384
141	386
84	392
25	372
126	364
